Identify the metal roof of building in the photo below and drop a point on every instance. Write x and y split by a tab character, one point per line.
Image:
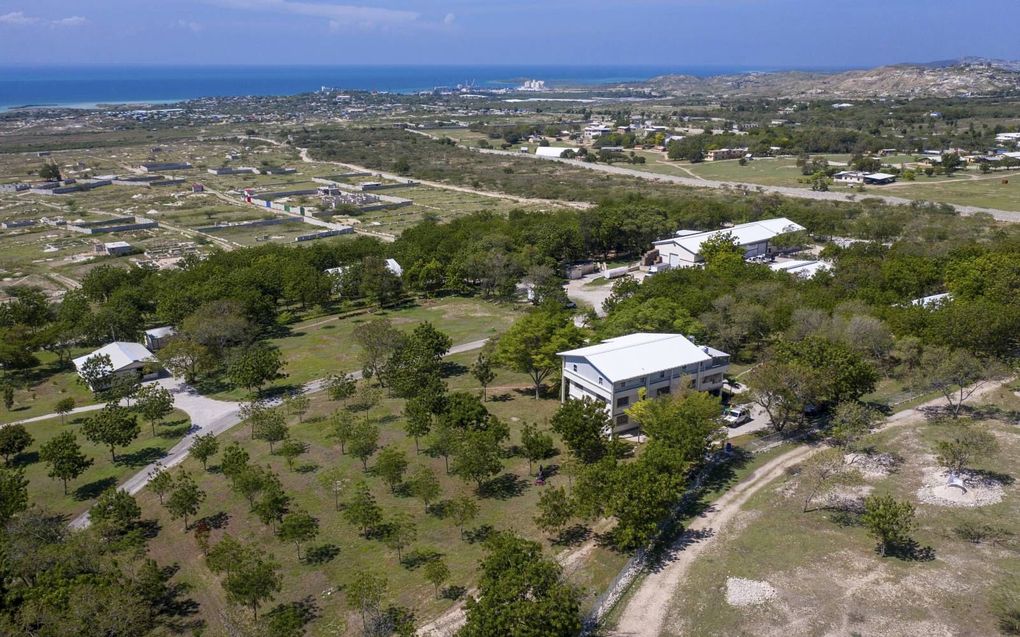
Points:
122	354
744	234
641	354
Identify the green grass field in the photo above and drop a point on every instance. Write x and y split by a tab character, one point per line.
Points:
103	473
37	390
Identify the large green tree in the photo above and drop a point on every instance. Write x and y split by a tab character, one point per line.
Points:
532	342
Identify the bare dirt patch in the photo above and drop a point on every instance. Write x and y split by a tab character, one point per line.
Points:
748	592
977	489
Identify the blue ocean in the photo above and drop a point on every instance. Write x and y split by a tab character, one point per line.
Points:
88	86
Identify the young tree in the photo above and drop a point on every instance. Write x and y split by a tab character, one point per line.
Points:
364	594
436	572
463	509
273	501
521	588
391	466
361	509
340	387
443	441
537	445
583	425
418	420
477	457
113	426
161	482
531	344
967	445
290	450
888	521
8	392
270	426
424	485
298	404
482	370
402	532
115	512
378	340
154	403
851	422
255	366
13	494
364	441
555	510
955	373
185	498
819	473
64	457
13	440
234	460
334	480
64	406
298	527
204	447
341	428
249	482
252	577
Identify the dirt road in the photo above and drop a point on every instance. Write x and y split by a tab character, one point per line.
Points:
645	612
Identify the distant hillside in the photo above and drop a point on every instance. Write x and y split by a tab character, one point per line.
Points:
968	77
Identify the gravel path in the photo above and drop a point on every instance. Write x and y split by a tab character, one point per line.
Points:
646	611
748	592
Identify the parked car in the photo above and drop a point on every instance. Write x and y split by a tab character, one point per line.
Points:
736	416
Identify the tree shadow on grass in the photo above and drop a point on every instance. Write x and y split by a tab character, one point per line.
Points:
298	614
479	534
92	490
452	593
572	536
310	467
450	369
141	457
500	398
910	551
503	487
24	459
218	520
321	554
419	557
440	509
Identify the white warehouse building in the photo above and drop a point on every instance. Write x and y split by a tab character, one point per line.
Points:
614	371
684	249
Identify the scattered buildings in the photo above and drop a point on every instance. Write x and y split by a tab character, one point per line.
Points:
725	153
684	250
114	248
158	337
614	371
116	224
804	269
863	178
156	167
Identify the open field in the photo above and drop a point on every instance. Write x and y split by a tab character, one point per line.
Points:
822	564
103	473
339	550
37	390
987	191
324	345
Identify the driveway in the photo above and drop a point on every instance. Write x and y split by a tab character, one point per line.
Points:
207	416
579	291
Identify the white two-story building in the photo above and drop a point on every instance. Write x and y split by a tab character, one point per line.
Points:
614	371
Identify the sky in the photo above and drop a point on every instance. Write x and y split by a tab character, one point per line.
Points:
745	33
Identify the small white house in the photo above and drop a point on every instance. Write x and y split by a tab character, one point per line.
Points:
157	337
394	267
614	371
552	151
125	358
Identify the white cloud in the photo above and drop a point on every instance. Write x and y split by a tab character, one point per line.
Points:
70	21
189	25
449	19
338	15
17	18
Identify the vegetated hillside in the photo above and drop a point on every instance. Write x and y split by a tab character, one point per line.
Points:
901	80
